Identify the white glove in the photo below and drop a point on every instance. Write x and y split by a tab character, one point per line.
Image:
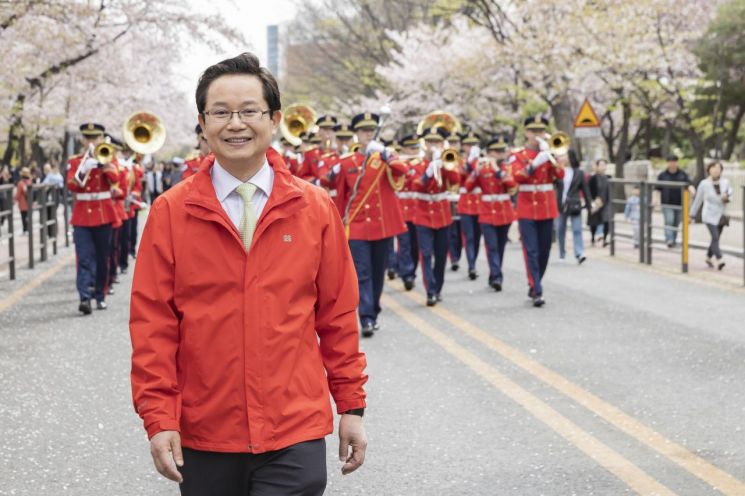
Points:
432	166
336	169
473	154
436	154
543	145
89	164
375	146
541	159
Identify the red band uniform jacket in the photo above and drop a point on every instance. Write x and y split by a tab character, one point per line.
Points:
495	207
377	215
431	203
91	213
536	198
239	350
468	203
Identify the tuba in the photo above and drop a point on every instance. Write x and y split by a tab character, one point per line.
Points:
144	133
296	120
447	121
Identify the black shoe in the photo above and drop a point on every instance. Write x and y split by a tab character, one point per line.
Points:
538	301
438	297
720	266
85	307
431	300
391	274
581	260
368	330
496	285
123	270
670	244
472	275
408	284
455	267
101	305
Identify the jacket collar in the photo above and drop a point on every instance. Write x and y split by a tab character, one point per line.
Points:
286	196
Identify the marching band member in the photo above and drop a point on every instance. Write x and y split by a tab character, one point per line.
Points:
534	170
468	204
455	238
136	203
120	226
432	213
92	216
492	177
344	138
328	156
289	155
407	255
366	185
192	165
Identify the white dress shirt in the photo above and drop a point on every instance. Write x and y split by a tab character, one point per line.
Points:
225	184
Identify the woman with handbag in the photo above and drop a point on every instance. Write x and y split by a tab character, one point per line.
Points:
714	193
599	218
570	192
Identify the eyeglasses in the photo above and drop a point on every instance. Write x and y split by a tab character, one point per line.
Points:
246	115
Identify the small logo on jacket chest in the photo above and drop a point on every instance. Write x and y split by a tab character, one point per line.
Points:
287	238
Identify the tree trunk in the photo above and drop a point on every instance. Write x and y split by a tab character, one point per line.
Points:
15	132
732	135
623	143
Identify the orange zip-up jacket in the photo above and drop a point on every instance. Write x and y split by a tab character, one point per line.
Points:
239	350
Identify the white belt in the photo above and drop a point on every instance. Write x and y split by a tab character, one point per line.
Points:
405	195
93	196
495	198
536	187
453	197
431	198
474	191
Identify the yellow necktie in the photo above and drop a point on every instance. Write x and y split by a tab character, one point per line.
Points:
248	219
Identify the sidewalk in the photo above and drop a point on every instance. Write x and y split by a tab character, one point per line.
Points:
21	243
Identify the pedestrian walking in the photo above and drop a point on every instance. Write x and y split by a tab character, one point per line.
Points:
600	210
632	213
714	193
22	196
572	194
6	177
671	198
243	313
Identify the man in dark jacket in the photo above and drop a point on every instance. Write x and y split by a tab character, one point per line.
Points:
671	198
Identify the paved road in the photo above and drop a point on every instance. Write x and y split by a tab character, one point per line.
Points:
628	381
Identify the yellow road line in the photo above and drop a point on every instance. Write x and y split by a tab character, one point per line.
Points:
694	464
19	293
612	461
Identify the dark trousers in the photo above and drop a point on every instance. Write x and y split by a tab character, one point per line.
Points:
472	234
298	470
92	250
536	237
24	220
114	255
124	244
408	252
369	262
716	233
133	235
391	262
455	241
433	243
495	238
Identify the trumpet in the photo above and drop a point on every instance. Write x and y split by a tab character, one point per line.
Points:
487	162
104	153
354	148
558	144
449	160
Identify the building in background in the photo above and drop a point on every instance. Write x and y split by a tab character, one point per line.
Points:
272	49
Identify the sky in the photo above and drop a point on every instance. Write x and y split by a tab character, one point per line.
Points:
253	16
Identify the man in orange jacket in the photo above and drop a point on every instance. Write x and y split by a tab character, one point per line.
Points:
243	314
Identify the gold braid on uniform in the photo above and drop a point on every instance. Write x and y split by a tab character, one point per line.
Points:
396	184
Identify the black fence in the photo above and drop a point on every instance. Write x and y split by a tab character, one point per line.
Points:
644	229
7	231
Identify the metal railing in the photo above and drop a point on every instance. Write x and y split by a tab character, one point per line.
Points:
43	198
646	226
6	214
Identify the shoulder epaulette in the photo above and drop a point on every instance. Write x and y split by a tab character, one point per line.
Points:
416	161
347	155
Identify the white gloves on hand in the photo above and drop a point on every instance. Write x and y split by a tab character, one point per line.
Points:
541	158
473	154
436	154
375	146
432	166
543	145
336	169
89	164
